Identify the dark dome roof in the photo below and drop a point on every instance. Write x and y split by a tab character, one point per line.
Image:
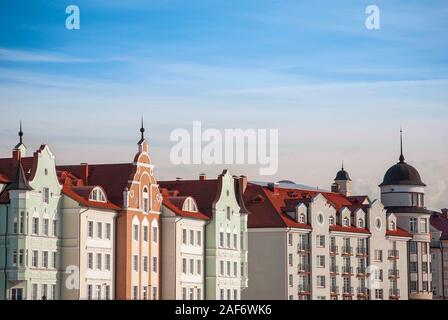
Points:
342	175
402	174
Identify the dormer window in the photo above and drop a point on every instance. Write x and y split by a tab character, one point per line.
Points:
360	223
190	205
346	222
97	195
331	220
301	218
392	226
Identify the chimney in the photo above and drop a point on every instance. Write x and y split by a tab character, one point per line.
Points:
85	173
16	156
202	177
243	183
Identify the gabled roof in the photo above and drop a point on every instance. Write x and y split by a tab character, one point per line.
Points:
175	203
398	233
19	182
81	195
439	221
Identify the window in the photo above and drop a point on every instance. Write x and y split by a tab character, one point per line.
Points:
107	293
15	228
412	247
191	237
360	223
145	293
90	229
108	262
191	294
198	238
425	285
321	298
53	292
45	259
221	238
99	261
55	228
55	257
412	266
35	259
199	266
424	248
46	195
378	255
184	266
235	294
413	286
425	268
97	195
89	292
379	294
190	205
321	261
184	236
35	225
423	225
229	294
228	240
302	218
155	234
228	268
135	257
145	200
320	218
184	293
22	222
46	227
154	264
392	225
290	239
90	260
34	292
228	213
145	263
320	241
154	293
99	230
221	293
235	240
290	280
14	258
290	261
320	281
135	293
346	222
413	225
235	269
198	294
221	268
108	231
44	291
21	257
331	220
135	232
145	233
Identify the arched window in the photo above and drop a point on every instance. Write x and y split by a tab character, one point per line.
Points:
392	226
331	220
346	222
360	223
145	200
302	218
97	195
190	205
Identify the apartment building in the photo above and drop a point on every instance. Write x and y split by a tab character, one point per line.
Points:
133	188
403	195
225	233
183	244
310	244
439	254
88	241
30	222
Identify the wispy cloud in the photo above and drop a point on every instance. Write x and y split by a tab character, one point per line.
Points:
7	54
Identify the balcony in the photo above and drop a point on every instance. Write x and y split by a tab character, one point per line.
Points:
394	273
303	268
361	291
394	293
334	249
303	248
334	290
347	270
361	252
347	251
361	271
304	289
393	254
347	290
334	269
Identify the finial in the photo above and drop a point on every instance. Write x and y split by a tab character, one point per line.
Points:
401	145
142	130
20	132
342	165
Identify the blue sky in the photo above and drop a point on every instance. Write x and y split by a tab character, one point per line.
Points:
335	90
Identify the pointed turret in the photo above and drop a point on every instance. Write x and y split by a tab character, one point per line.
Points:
19	182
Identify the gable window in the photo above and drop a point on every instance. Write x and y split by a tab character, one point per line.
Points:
360	223
302	218
97	195
190	205
392	226
46	195
145	200
346	222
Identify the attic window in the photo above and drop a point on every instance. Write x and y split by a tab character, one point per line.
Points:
392	226
190	205
346	222
302	218
97	195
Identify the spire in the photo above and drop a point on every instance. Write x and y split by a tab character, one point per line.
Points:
401	146
20	132
19	182
342	165
142	131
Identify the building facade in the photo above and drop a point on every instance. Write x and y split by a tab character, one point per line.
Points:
183	244
439	254
30	225
403	194
309	244
225	233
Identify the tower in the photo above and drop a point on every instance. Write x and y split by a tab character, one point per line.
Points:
342	182
20	147
403	193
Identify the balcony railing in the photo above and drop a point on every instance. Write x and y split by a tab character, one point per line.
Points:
304	288
347	269
334	289
394	293
334	249
394	273
303	247
361	251
361	270
347	250
303	267
361	290
393	254
347	290
334	269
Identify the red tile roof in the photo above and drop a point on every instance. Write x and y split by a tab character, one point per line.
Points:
80	195
340	228
112	177
440	222
398	233
175	203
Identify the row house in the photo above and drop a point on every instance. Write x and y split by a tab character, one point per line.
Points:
310	244
183	243
225	239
